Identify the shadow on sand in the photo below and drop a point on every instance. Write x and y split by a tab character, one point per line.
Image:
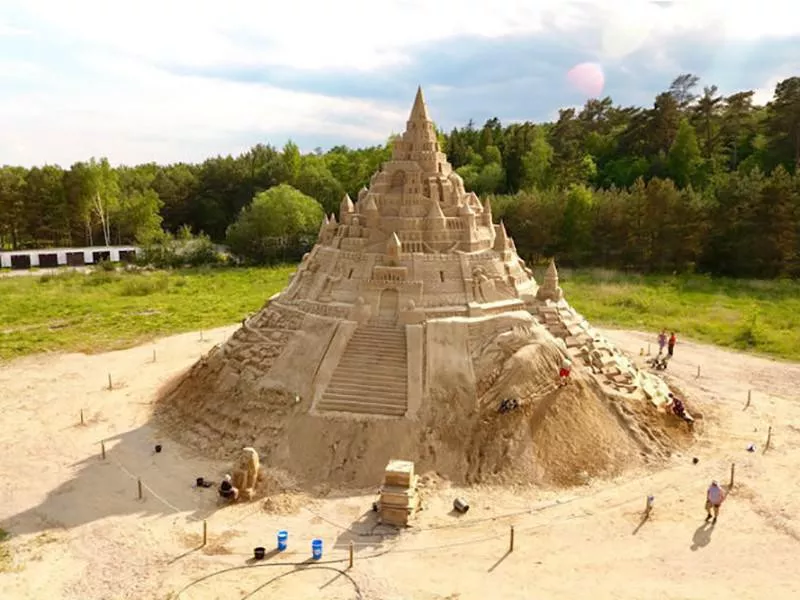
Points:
107	487
702	536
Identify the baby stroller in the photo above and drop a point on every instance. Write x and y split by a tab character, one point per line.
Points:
659	363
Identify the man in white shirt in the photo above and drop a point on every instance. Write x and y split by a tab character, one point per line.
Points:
714	499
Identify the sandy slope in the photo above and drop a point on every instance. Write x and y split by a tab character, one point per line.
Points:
80	531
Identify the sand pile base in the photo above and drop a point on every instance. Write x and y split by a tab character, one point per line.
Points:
558	435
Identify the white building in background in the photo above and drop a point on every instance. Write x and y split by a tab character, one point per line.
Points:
61	257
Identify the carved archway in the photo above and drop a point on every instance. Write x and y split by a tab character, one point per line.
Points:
388	305
398	180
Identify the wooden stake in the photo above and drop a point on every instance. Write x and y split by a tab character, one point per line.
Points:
351	554
648	349
648	506
82	423
698	371
733	472
511	540
201	336
139	484
109	381
154	355
103	449
205	532
769	438
749	396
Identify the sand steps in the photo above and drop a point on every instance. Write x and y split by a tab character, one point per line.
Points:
372	375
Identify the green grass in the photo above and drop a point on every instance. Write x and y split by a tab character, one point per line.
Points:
753	315
113	310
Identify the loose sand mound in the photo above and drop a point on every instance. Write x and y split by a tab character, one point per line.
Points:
558	435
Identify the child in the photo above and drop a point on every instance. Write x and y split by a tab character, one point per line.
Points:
671	345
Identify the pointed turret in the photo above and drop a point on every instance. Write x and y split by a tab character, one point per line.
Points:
322	229
332	220
393	247
419	112
346	208
370	205
551	274
501	239
362	192
550	290
436	211
487	213
436	219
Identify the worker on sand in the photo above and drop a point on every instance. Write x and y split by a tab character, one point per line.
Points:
564	371
714	499
671	344
226	489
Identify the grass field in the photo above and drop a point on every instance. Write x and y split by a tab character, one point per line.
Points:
107	310
112	310
759	316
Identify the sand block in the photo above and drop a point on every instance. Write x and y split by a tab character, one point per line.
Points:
399	473
395	516
397	496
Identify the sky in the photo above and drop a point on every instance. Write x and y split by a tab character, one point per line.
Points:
183	80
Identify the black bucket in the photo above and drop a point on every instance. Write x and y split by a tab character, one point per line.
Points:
201	482
460	505
158	448
259	553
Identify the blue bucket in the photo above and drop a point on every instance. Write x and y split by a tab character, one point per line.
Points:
283	537
316	549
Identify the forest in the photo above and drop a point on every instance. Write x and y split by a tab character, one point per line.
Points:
697	182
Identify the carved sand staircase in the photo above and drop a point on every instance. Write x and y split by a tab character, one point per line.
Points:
371	377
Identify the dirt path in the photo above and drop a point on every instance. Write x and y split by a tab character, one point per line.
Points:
80	531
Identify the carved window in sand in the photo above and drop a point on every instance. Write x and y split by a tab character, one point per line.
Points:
398	180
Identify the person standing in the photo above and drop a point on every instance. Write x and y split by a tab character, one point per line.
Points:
671	344
714	499
662	341
564	371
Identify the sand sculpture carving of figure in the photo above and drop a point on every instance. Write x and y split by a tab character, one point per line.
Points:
245	474
330	281
481	284
354	230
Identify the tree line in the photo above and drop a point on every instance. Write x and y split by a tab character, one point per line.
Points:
697	181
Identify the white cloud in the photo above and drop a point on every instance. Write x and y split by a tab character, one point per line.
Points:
766	92
116	101
145	114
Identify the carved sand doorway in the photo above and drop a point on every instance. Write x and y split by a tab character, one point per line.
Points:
387	309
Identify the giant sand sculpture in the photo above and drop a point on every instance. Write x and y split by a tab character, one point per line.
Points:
400	333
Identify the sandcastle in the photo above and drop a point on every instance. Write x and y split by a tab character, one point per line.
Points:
410	320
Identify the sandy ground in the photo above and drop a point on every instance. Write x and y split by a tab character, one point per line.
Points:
79	530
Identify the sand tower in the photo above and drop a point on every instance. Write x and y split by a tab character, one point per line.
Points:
410	319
